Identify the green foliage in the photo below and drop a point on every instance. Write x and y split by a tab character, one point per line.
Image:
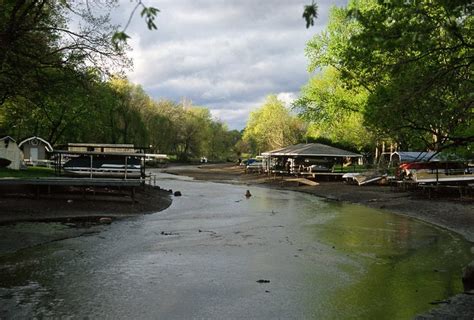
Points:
35	40
334	110
420	68
271	127
148	13
414	59
310	13
116	111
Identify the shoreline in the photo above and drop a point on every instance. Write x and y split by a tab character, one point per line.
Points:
68	206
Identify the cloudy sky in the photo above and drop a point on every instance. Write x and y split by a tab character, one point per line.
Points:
223	55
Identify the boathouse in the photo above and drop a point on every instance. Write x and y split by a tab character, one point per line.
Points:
93	160
308	158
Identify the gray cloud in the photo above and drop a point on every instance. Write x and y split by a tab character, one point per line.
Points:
227	56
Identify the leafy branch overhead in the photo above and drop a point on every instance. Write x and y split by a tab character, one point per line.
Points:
148	13
310	13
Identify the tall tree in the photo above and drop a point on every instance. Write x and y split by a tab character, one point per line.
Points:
35	36
415	60
334	110
272	126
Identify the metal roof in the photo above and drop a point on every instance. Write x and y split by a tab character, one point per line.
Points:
120	154
311	150
102	145
49	148
415	156
98	153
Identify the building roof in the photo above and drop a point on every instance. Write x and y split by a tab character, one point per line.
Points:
8	138
47	145
415	156
102	145
311	149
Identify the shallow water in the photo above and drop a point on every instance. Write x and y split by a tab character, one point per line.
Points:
203	256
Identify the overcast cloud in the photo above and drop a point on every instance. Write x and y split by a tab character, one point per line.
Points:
223	55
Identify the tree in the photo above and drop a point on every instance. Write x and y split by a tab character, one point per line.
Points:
52	110
334	110
415	60
35	36
272	126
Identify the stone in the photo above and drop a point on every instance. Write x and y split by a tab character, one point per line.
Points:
263	281
105	220
468	277
177	193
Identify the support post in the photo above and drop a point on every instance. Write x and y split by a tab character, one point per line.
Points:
126	165
91	162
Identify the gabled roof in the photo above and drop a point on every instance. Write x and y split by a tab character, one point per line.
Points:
311	149
8	138
47	145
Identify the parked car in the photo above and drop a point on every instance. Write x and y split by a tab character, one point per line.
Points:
254	166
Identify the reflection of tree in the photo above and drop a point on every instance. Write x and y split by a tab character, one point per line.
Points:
397	259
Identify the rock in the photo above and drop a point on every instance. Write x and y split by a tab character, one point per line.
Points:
105	220
177	193
468	277
170	191
248	194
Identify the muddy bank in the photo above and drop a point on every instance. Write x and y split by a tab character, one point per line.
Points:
21	205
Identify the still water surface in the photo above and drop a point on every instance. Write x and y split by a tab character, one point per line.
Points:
202	258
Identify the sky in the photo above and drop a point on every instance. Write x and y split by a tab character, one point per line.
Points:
223	55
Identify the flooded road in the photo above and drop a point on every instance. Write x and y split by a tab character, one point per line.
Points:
216	254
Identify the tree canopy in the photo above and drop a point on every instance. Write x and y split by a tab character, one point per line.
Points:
414	59
272	126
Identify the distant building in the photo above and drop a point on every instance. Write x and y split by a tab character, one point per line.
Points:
35	150
9	150
312	157
102	147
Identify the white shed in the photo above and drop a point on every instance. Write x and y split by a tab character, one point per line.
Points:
35	150
9	150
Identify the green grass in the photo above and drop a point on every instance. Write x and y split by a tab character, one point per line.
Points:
30	172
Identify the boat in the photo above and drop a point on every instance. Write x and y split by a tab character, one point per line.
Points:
104	166
436	172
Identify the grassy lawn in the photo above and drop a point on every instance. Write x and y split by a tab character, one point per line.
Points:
30	172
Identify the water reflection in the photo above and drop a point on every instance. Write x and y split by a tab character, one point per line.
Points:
402	264
202	258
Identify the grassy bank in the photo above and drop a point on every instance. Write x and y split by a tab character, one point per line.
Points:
30	172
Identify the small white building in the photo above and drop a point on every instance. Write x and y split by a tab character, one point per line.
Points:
9	150
35	150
